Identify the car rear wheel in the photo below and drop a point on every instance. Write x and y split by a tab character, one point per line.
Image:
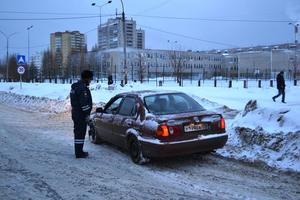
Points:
93	136
136	152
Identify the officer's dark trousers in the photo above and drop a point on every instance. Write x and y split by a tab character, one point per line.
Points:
280	92
80	127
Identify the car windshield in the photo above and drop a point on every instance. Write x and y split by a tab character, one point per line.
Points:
174	103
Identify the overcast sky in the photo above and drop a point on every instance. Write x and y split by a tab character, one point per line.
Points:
198	33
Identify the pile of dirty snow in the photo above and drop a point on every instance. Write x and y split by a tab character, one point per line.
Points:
260	134
33	103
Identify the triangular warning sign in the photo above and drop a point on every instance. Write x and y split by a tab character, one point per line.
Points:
21	60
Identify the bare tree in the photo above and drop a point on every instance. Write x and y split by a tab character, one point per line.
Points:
12	64
141	68
176	60
2	69
33	72
82	63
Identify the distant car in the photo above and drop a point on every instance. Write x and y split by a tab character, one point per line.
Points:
153	124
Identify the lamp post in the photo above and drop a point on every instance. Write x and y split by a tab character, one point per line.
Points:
238	67
271	62
28	34
124	43
7	44
99	32
100	7
296	42
173	58
191	64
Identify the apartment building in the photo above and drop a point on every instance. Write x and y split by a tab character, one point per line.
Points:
110	34
140	43
65	44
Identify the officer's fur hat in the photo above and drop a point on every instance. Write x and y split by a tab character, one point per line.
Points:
87	74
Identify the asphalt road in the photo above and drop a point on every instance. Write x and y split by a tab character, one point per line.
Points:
37	162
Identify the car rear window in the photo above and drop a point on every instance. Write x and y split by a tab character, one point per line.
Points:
174	103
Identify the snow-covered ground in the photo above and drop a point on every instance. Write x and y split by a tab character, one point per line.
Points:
265	131
37	162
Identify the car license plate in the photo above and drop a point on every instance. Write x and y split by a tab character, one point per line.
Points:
195	127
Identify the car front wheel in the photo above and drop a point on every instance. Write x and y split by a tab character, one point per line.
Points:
94	138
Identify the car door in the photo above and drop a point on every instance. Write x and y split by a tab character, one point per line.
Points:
104	121
124	119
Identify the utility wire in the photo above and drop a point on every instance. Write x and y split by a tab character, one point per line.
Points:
188	37
36	46
89	15
213	19
156	6
90	30
44	45
53	18
43	13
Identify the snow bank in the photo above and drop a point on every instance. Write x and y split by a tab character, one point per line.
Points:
282	119
48	90
32	103
279	150
259	134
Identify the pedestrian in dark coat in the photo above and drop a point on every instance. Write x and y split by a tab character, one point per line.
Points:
280	87
81	102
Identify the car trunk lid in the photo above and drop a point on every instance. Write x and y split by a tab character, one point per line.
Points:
185	126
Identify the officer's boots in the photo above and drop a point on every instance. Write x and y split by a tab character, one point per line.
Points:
79	153
83	154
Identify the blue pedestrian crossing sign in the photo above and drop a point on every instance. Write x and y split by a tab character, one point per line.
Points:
21	59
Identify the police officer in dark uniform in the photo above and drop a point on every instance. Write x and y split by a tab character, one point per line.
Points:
280	87
81	102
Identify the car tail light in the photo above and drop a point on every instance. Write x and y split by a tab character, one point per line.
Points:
162	131
222	123
174	130
166	131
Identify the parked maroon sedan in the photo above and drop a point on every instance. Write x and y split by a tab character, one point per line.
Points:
157	124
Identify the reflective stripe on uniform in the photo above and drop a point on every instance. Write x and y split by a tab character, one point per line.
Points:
84	108
79	141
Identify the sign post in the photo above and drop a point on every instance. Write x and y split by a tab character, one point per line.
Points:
21	71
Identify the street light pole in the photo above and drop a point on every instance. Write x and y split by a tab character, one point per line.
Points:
7	44
191	64
100	15
28	62
174	58
124	43
100	35
296	42
271	62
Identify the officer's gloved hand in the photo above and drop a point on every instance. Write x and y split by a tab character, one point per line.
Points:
87	119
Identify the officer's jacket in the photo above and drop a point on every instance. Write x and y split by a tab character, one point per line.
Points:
81	99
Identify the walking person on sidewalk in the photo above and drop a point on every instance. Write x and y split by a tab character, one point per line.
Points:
280	87
81	102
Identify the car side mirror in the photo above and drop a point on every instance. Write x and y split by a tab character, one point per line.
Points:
99	110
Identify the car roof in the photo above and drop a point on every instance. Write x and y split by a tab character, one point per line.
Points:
144	93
